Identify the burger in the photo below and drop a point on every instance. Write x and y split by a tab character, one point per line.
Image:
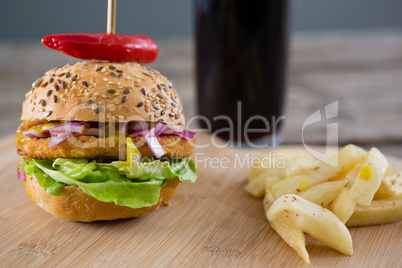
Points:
103	141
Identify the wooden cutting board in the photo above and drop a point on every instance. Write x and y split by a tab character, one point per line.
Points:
212	222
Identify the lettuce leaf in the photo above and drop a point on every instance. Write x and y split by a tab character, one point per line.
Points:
48	184
132	184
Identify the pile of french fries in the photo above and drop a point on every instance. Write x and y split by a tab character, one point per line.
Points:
322	198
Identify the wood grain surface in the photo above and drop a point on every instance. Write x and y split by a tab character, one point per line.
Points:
212	222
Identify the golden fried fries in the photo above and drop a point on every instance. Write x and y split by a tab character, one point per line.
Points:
310	218
358	191
293	237
347	157
379	212
369	178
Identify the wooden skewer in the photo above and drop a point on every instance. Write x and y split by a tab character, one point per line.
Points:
111	17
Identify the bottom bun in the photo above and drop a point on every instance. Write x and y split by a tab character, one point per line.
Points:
73	204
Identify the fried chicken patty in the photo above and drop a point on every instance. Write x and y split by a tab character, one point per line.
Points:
91	147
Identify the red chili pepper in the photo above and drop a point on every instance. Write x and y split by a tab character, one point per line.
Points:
111	47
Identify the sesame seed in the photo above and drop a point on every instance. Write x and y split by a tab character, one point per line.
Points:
82	90
147	74
174	99
159	87
120	76
140	104
48	113
171	114
63	84
124	99
68	74
60	75
111	67
98	110
99	69
85	83
166	89
96	94
49	93
112	74
163	85
126	91
51	80
44	84
156	107
104	96
58	81
111	83
37	82
43	102
173	104
119	71
111	91
177	116
163	112
56	87
42	110
105	79
54	98
143	91
75	77
161	96
116	94
88	102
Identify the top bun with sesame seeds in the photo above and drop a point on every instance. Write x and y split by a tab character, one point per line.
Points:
103	92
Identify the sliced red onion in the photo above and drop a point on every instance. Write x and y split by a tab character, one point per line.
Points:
177	128
154	144
92	131
159	129
138	125
21	174
34	134
188	135
69	127
58	138
136	133
122	127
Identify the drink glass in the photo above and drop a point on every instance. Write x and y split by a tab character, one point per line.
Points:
241	64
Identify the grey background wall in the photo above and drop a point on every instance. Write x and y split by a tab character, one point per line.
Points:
166	18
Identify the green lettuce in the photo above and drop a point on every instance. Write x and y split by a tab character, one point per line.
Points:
126	183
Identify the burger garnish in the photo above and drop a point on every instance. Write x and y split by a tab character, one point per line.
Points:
99	141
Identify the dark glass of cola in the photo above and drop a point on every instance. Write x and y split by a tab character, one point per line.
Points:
241	60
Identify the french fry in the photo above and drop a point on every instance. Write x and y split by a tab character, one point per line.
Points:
293	237
369	178
379	212
391	187
268	163
256	187
323	193
344	205
268	201
315	220
346	158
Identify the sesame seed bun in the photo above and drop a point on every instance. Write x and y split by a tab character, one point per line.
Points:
103	91
73	204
